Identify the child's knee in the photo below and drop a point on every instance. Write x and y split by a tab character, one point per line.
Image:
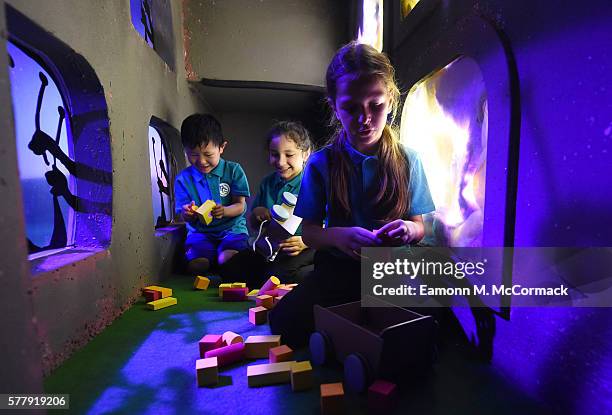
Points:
225	256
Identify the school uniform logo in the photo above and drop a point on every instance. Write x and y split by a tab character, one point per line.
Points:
224	189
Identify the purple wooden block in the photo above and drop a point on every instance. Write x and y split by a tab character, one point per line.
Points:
228	354
210	342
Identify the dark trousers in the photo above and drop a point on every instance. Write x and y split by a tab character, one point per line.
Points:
252	268
334	281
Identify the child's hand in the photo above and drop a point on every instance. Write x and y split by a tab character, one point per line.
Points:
218	211
293	246
261	213
351	240
396	233
189	211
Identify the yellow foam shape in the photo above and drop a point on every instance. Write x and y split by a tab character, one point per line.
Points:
165	292
201	283
204	211
162	303
222	287
239	285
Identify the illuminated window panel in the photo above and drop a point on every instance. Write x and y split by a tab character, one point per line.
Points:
445	120
371	27
142	19
160	191
42	149
406	7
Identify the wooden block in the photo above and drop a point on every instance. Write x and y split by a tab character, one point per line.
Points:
235	294
282	353
271	293
258	315
165	292
222	287
162	303
271	284
301	376
210	342
269	374
283	290
258	347
207	371
227	355
201	283
381	396
238	285
151	295
252	295
204	212
277	299
266	301
332	398
229	337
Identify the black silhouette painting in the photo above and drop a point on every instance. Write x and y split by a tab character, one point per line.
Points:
161	172
147	21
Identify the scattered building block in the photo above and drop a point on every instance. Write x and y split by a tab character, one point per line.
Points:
229	337
332	398
291	285
282	353
271	284
235	294
301	376
381	396
252	295
258	315
223	287
165	292
277	299
269	374
282	290
266	301
204	212
201	283
151	295
271	293
210	342
207	371
238	285
258	347
162	303
227	355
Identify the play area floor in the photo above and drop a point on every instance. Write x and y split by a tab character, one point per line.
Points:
144	363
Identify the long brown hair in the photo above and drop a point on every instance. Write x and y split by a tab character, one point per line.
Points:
392	199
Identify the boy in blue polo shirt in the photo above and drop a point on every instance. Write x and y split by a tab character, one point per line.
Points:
210	177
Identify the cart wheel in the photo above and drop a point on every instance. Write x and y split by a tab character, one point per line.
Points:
356	373
320	348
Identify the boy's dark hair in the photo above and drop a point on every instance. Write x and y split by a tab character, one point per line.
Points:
201	129
293	130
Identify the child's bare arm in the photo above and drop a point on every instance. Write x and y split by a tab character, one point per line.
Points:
235	209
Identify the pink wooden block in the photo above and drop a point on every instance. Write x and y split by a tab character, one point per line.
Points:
235	294
271	284
272	293
228	354
210	342
381	396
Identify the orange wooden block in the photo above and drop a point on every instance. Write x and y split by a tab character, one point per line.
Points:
257	347
266	301
281	353
332	398
258	315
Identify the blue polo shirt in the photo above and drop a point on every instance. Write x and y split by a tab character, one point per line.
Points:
272	188
315	191
223	182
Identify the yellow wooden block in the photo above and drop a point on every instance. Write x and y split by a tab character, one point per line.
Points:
269	374
165	292
252	295
204	211
257	347
238	285
162	303
207	371
222	287
301	376
201	283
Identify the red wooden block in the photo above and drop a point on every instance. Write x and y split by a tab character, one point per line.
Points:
151	295
282	353
210	342
235	294
228	354
381	396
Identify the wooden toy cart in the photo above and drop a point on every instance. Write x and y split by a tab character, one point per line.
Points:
372	342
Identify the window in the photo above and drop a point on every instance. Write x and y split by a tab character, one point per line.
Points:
371	25
41	127
445	119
